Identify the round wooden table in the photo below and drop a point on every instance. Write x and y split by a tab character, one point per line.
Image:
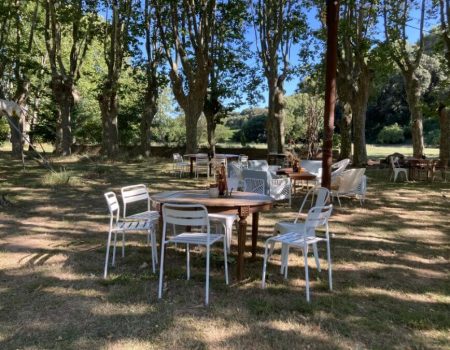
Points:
301	175
240	203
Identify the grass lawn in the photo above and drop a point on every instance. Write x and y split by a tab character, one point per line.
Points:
390	271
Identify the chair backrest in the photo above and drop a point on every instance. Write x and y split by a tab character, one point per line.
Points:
192	215
394	162
339	167
258	174
254	185
350	180
322	195
177	158
235	170
256	164
113	206
134	193
318	216
243	160
201	159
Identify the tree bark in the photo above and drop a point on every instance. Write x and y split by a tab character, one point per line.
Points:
346	133
359	109
64	101
110	133
413	98
444	144
149	114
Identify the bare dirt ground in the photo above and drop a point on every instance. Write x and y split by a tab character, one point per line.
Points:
390	271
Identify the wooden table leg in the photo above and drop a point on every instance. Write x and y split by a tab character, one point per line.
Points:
242	236
255	223
191	169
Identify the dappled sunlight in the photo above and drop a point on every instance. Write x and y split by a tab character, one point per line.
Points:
122	309
429	297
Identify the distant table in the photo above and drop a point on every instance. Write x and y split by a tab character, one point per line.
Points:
241	203
301	175
417	166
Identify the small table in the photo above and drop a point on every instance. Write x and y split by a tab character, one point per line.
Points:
241	203
301	175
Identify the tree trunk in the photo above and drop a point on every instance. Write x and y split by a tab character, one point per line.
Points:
109	110
150	110
16	124
415	109
62	93
444	144
192	114
359	109
346	133
211	130
275	119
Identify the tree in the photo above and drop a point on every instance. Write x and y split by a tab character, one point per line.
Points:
58	15
186	29
354	75
116	40
397	14
279	24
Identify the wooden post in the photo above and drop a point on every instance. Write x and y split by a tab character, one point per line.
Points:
330	90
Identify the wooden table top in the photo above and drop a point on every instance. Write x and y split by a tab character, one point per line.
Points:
238	199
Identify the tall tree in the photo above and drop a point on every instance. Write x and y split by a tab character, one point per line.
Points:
116	40
397	14
186	28
58	16
279	25
357	20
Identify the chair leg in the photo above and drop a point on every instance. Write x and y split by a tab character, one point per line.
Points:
188	265
395	175
108	244
114	249
225	258
161	271
207	276
123	244
285	259
330	279
316	256
305	259
339	200
263	283
153	243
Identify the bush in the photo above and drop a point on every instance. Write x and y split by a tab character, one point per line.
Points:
4	130
391	134
432	138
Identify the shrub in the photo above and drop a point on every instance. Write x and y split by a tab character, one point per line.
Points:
391	134
4	130
432	138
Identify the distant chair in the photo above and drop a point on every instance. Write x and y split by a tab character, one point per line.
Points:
202	165
396	169
179	165
279	188
116	225
195	216
347	183
243	160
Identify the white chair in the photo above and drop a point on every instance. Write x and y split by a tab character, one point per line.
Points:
192	215
396	169
361	189
225	222
302	238
179	165
254	185
201	165
279	188
322	196
243	160
116	225
347	183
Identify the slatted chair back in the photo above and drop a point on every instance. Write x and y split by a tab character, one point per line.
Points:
113	206
318	216
254	185
134	193
339	167
201	159
192	215
322	195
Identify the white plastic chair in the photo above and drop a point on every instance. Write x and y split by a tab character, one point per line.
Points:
347	183
396	169
116	225
201	165
302	238
243	160
322	196
361	189
192	215
179	165
254	185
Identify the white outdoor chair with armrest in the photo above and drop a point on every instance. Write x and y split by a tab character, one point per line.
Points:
192	215
254	185
322	196
396	169
347	184
279	188
116	225
179	165
302	238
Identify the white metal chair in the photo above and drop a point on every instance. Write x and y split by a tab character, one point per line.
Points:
225	222
179	165
302	238
322	196
116	225
254	185
201	165
243	160
192	215
396	169
347	183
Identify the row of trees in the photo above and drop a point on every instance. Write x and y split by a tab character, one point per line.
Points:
59	58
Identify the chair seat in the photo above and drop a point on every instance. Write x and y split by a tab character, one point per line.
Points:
288	226
132	226
195	238
151	215
295	239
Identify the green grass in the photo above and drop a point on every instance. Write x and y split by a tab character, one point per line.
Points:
390	271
